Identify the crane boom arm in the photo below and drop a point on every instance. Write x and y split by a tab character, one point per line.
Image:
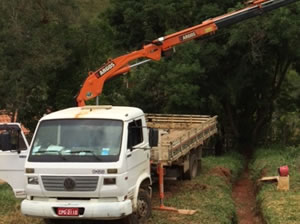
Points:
93	84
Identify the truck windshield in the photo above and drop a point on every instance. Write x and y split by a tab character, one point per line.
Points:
77	140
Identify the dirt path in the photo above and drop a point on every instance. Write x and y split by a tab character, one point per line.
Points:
244	197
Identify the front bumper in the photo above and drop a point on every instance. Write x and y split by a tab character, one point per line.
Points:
92	209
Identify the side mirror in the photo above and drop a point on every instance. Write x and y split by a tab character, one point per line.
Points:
5	141
153	137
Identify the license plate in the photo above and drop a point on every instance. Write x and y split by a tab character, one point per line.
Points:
67	211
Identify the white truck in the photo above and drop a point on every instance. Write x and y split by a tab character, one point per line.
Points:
93	162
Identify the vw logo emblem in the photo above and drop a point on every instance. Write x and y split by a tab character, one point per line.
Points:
69	184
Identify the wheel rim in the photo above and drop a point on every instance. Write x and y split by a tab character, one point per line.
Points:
142	208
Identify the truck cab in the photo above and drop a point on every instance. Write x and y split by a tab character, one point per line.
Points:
89	162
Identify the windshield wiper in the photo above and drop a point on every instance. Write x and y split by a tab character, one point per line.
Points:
58	153
87	151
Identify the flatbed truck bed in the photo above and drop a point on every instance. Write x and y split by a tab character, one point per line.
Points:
180	143
179	134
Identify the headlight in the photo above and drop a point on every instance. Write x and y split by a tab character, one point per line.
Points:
33	180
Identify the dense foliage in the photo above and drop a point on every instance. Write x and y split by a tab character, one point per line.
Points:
247	74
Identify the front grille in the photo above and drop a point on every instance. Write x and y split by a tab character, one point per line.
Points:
82	183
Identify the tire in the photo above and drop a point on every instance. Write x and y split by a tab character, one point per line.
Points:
144	208
131	219
143	211
192	172
199	165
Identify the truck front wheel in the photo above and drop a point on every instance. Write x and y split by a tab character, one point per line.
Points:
143	206
143	210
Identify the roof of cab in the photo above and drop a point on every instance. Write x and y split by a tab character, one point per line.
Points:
96	112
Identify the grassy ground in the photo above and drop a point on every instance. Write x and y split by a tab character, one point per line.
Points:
209	194
10	208
276	206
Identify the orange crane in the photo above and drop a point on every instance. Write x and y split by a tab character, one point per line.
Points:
93	85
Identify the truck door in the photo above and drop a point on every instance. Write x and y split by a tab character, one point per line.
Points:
13	153
137	153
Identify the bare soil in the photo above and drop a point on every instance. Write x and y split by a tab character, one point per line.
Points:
244	197
222	172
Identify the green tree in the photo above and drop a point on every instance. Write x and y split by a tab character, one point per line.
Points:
238	74
259	60
46	51
33	49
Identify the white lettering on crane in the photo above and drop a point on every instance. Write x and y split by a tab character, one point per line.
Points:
187	36
106	68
